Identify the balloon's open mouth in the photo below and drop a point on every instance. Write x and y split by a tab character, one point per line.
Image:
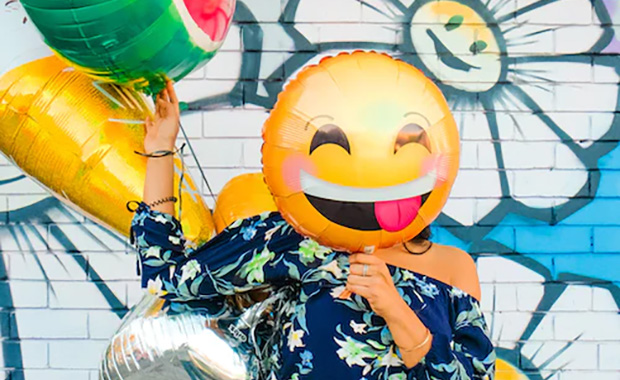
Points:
390	208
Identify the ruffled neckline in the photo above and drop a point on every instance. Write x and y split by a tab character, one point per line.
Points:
450	288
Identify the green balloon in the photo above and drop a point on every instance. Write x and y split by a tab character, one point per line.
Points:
140	43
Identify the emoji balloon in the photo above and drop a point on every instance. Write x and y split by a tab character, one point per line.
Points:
139	43
77	137
360	151
242	197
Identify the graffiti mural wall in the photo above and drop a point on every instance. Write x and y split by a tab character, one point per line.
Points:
533	85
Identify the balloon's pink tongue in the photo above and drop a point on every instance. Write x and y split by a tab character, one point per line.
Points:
394	216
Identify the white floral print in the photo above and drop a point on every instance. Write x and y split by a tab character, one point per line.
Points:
295	339
189	270
358	328
354	352
333	268
153	251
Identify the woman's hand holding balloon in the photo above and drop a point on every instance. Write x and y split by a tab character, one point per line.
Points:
370	278
161	134
162	130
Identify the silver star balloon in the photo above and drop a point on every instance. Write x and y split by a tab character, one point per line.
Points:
154	345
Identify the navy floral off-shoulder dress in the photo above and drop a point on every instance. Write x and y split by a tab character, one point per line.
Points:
323	337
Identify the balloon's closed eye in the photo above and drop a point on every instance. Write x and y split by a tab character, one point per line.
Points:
412	133
330	134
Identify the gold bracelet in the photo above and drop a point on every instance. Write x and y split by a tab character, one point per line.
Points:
428	337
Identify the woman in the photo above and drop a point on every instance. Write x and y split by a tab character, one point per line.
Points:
413	312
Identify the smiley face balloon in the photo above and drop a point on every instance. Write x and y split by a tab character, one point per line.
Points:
360	151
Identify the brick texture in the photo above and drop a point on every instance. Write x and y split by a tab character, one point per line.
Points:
537	200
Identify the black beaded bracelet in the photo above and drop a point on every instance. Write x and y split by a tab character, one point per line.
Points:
164	200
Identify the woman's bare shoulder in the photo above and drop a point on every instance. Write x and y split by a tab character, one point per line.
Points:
450	265
462	268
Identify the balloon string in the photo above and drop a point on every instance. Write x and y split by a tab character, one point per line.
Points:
191	149
181	178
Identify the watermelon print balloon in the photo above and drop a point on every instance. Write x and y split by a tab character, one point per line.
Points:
139	43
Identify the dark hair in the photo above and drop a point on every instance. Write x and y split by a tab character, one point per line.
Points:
424	235
421	238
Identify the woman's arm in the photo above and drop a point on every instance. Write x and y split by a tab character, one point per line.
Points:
161	134
258	251
409	333
468	351
251	253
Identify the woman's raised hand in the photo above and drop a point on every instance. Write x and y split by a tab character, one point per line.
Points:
163	128
370	278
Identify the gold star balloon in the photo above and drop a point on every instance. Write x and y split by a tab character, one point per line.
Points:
77	137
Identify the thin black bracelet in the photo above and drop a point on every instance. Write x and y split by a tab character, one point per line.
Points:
172	199
159	153
156	154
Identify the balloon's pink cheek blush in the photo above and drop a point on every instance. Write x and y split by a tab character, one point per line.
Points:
291	169
440	164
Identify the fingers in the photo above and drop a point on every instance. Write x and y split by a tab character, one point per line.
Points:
160	107
358	269
376	266
167	107
160	102
165	95
148	123
166	101
363	258
171	93
360	290
361	280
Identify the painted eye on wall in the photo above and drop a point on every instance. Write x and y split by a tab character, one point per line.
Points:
454	22
330	134
412	133
477	47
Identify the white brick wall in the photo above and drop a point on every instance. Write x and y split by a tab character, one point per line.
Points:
546	288
49	324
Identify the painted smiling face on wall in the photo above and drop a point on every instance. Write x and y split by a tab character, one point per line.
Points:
463	47
360	151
